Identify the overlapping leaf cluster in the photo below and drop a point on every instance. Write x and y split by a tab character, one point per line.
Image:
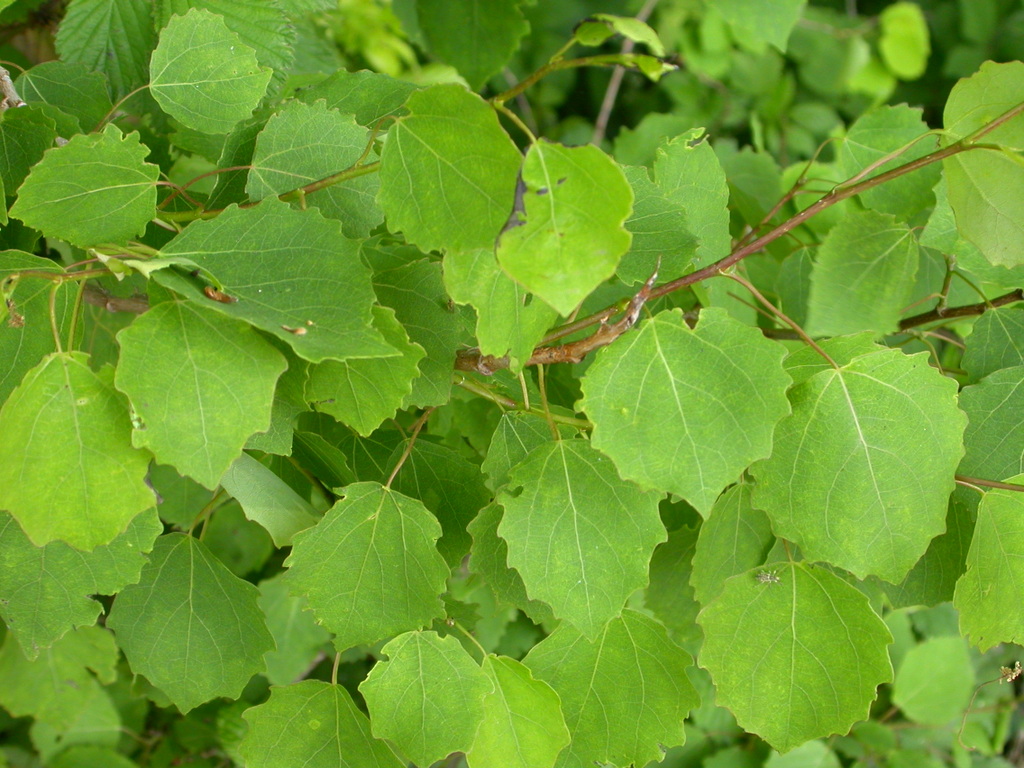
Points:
272	463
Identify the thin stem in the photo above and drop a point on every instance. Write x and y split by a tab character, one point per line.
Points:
117	106
467	633
544	402
53	316
966	480
601	60
205	512
475	387
515	119
334	669
416	427
967	310
73	327
181	189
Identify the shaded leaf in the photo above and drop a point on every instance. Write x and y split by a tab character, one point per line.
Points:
660	238
70	87
996	341
669	596
768	21
367	96
297	636
934	681
994	439
515	436
25	134
268	500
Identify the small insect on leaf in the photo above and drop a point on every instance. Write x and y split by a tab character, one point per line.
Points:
223	298
768	577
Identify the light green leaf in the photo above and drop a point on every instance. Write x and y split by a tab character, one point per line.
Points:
689	174
904	43
986	188
313	724
624	694
863	276
203	75
878	133
367	96
666	423
934	681
669	596
989	592
660	238
515	436
509	320
489	559
114	37
297	636
94	189
199	385
996	342
416	293
25	134
477	37
568	236
597	28
427	699
872	493
365	393
369	568
994	439
448	171
70	87
268	500
86	494
189	626
796	659
46	590
523	725
580	537
286	268
768	21
735	538
56	686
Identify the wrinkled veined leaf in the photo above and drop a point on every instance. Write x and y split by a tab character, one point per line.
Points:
996	342
268	500
73	88
297	636
46	590
88	494
313	724
770	21
522	725
284	271
199	385
934	681
447	182
568	235
427	698
367	96
515	436
579	535
94	189
203	75
991	590
624	694
796	655
875	444
190	626
670	425
369	568
986	187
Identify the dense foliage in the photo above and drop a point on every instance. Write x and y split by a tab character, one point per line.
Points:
511	383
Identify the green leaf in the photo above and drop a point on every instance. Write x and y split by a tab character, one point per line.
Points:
878	133
986	188
863	276
509	320
595	29
313	724
660	238
369	568
904	43
689	174
668	596
448	171
624	694
994	427
561	506
25	134
872	493
765	21
286	268
94	189
416	293
289	402
735	538
114	37
297	636
516	435
199	385
85	495
988	594
268	500
55	687
367	96
523	725
365	393
427	699
72	88
568	235
203	75
669	425
477	37
996	342
796	659
934	681
189	626
46	590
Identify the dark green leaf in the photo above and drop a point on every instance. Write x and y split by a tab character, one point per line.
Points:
296	634
996	342
73	88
